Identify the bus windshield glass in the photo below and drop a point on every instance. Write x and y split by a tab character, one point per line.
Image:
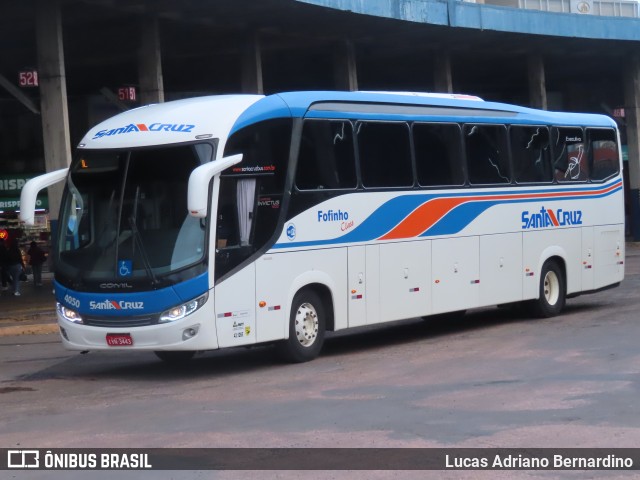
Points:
124	216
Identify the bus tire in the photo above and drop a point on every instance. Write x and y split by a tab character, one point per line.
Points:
553	290
307	324
175	357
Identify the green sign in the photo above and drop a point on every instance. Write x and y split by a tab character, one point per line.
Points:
10	188
10	204
11	185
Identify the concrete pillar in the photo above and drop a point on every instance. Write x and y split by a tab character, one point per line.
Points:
150	63
442	77
53	94
252	81
537	82
345	67
632	115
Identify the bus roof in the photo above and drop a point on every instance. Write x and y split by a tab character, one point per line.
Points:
405	106
219	116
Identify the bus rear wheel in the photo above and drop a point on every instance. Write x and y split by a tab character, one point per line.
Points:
175	357
552	294
307	323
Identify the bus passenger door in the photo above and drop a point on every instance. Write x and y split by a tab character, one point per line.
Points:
235	296
455	282
357	294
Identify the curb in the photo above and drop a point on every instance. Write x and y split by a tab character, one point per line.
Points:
34	321
38	329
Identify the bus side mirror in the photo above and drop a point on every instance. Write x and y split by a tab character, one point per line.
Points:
30	192
198	192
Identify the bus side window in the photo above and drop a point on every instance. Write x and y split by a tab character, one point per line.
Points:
603	147
326	159
570	158
385	154
487	158
531	154
438	150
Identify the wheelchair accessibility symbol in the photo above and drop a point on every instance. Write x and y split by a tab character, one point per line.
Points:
125	268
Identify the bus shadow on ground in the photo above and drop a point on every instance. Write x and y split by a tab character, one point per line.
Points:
433	327
145	366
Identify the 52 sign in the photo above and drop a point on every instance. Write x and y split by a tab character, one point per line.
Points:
28	78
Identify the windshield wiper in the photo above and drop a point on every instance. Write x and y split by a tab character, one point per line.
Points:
104	241
138	240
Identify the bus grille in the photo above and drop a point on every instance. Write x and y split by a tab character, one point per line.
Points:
116	322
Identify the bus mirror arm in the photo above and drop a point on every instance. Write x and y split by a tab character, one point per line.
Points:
30	191
198	191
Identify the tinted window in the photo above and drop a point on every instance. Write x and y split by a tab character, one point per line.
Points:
251	192
604	153
570	158
385	154
487	158
326	159
265	151
531	154
438	154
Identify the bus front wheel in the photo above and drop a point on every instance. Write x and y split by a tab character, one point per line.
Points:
307	323
552	295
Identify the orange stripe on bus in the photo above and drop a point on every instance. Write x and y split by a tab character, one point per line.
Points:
427	214
554	220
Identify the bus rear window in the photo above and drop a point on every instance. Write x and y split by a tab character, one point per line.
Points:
604	153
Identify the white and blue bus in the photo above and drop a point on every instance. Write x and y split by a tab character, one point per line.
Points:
244	219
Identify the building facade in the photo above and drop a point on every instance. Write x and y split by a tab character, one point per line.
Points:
68	64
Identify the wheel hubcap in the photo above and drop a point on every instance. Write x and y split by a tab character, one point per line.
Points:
306	324
551	288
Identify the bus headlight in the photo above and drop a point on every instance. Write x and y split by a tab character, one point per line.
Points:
180	311
68	314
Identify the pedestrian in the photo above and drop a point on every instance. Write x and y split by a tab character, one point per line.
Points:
16	266
4	265
36	258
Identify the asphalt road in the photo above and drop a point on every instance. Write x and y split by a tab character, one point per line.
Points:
493	379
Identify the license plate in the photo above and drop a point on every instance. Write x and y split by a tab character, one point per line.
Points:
119	340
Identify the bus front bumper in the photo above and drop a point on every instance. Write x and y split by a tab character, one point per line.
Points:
196	332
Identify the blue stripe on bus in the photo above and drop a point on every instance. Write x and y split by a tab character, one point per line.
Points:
138	303
456	220
394	211
267	108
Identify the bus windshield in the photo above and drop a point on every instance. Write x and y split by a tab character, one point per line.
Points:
124	216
